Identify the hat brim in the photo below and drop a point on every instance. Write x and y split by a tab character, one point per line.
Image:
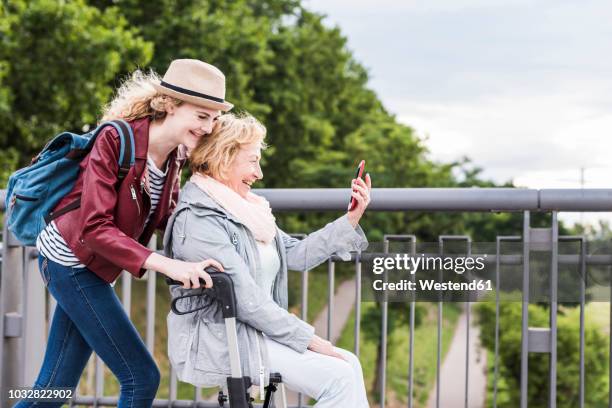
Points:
206	103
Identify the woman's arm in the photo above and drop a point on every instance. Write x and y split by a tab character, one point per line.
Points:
199	237
98	204
100	233
338	237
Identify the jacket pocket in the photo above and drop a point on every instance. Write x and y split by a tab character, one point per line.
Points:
212	355
28	193
178	338
26	212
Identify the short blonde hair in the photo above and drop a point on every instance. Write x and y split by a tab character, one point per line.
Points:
137	98
215	152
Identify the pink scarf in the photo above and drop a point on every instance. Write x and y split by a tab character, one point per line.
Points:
254	211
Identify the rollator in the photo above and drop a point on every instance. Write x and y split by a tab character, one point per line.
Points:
237	385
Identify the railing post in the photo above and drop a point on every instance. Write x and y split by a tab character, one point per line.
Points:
582	277
34	297
499	240
411	240
303	306
11	316
468	241
331	276
540	339
525	310
21	316
554	277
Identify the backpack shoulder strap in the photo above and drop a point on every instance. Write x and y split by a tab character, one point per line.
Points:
127	149
126	159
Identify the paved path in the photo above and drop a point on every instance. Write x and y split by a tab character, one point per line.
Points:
452	391
344	301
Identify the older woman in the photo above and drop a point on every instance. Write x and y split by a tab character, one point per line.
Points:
218	216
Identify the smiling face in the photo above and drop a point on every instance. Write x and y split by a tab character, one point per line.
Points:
244	169
231	153
189	123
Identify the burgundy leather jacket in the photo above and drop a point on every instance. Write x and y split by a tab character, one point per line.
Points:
107	232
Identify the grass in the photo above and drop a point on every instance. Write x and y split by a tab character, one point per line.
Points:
425	351
597	313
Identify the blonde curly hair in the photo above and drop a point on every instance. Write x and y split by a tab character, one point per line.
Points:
137	98
216	151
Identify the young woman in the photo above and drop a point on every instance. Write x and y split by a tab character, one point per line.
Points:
83	251
218	215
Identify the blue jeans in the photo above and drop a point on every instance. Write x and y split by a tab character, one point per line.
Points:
90	317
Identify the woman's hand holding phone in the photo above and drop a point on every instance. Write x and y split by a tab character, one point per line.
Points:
361	196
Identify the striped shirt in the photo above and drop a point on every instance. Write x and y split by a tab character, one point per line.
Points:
157	178
52	245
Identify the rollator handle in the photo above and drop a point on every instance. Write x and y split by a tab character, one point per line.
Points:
222	291
223	286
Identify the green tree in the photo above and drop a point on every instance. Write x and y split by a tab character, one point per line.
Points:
58	61
282	64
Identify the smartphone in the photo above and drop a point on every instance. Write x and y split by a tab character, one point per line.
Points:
358	174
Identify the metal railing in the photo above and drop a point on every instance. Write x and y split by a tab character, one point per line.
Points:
23	310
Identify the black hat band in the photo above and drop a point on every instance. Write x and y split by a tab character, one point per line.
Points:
190	92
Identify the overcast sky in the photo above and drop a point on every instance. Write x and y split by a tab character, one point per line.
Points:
523	88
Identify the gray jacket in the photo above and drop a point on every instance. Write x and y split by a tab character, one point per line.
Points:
197	342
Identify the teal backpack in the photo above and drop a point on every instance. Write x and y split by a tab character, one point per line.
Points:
34	191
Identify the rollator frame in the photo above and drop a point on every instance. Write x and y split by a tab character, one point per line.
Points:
237	384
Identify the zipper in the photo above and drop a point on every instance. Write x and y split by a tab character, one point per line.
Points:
144	187
25	198
133	190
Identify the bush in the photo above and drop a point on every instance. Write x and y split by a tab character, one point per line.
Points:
568	358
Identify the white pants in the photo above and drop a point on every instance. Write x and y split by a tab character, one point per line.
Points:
329	380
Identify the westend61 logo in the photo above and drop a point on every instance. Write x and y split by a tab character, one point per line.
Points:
413	264
448	271
444	266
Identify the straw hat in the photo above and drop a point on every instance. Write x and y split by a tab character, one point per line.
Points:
196	82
